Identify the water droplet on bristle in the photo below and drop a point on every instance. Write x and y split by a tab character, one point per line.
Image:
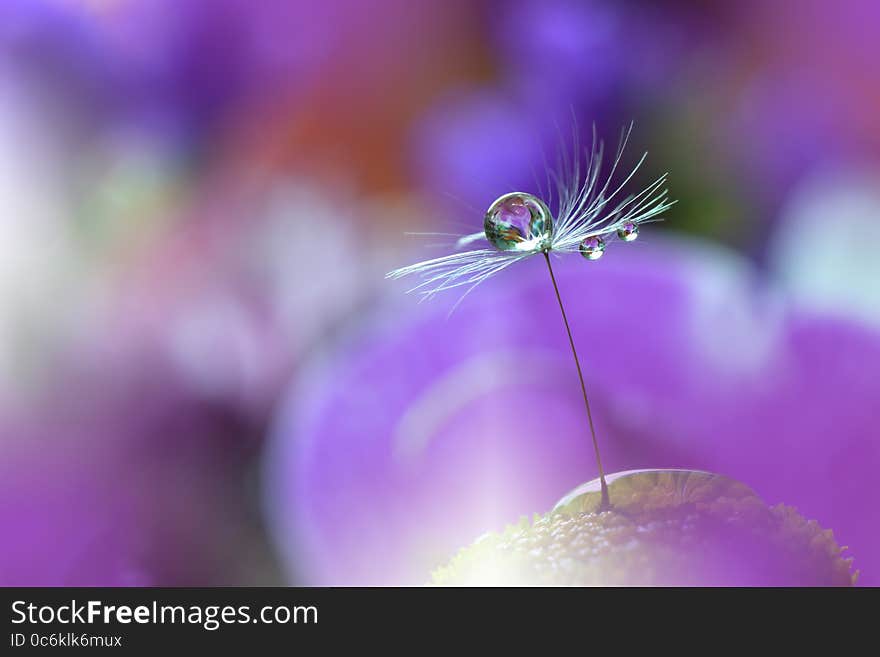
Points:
628	232
519	222
592	248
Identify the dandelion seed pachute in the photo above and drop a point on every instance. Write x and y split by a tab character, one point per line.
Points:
590	215
520	225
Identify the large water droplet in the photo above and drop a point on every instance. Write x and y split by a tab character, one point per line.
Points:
675	486
592	248
664	528
628	232
519	222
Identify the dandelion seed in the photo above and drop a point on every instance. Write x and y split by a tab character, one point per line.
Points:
590	214
519	225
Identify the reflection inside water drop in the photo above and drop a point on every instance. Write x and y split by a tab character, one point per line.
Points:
592	248
628	232
518	222
674	486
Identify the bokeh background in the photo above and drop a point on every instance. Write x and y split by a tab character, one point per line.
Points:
205	378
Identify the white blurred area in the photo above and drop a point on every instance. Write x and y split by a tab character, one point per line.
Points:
110	260
824	250
39	262
300	268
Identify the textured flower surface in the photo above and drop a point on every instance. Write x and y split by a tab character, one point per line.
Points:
665	528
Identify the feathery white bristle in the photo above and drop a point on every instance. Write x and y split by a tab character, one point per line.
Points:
586	209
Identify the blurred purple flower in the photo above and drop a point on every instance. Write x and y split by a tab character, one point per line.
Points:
63	523
594	60
478	144
783	129
566	53
807	83
561	52
119	481
421	435
216	57
193	68
180	68
60	56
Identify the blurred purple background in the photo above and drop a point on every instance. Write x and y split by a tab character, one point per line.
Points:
205	378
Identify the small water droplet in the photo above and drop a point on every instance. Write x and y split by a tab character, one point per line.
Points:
592	248
628	232
518	222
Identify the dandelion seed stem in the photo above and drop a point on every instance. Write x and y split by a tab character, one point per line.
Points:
605	504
